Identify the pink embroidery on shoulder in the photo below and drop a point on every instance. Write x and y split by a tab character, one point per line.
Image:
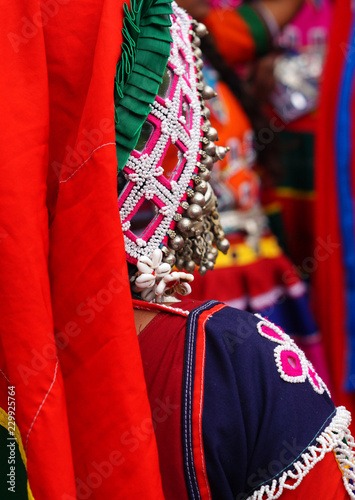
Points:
275	334
291	362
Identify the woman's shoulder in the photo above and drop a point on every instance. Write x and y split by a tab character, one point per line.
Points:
266	412
255	415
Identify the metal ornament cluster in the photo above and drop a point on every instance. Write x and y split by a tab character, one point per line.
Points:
185	225
198	228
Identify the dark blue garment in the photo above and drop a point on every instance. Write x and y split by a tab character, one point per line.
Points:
255	424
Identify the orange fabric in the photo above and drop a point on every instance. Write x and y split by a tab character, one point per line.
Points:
234	131
244	185
234	123
58	155
232	35
324	481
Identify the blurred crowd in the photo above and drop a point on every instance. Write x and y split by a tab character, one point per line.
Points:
284	188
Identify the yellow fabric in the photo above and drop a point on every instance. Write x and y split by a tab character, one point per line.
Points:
241	254
295	193
4	422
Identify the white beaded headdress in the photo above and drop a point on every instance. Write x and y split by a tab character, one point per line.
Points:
184	226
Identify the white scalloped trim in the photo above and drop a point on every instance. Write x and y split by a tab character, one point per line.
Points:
331	439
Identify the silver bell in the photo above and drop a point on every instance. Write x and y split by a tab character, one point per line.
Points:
194	211
202	270
199	64
201	187
223	245
170	259
179	263
205	175
177	242
209	265
208	92
198	53
207	162
206	126
184	225
201	30
212	134
221	152
198	198
206	112
209	148
196	41
210	256
189	266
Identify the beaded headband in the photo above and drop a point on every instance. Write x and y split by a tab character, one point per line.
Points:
184	227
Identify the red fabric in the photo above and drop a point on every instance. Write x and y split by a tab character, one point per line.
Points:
199	377
304	124
324	481
57	132
238	281
298	220
329	299
163	361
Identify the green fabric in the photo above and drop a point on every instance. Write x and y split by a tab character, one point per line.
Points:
297	158
276	226
20	492
257	27
145	53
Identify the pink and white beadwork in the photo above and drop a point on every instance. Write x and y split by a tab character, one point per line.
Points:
175	119
291	362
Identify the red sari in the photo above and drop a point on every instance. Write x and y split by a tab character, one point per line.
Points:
67	339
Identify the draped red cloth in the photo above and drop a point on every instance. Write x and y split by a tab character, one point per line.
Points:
67	338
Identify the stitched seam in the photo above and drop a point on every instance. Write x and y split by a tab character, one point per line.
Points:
5	376
41	405
188	406
188	403
87	159
201	405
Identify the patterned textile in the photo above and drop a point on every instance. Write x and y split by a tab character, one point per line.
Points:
244	412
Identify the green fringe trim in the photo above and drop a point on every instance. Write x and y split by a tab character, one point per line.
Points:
145	53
